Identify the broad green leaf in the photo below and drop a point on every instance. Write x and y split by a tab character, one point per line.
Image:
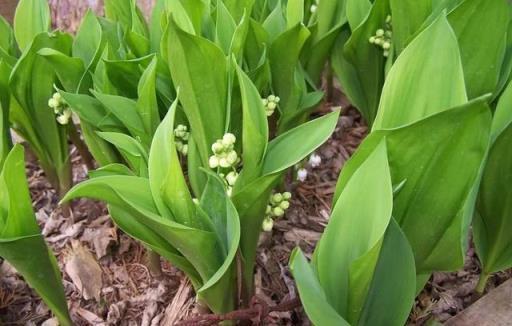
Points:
227	225
5	100
69	70
494	206
237	8
430	62
312	294
203	87
20	238
408	17
284	55
31	18
168	184
125	110
292	146
255	126
487	22
365	62
355	227
31	84
430	206
357	11
158	15
7	40
330	13
132	151
89	41
125	74
147	104
224	28
294	12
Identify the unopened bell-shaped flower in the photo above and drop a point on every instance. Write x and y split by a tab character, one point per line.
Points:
315	160
302	174
267	224
224	154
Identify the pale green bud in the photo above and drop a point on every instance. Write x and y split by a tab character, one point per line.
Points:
224	163
284	205
268	210
287	195
380	32
184	150
278	99
213	162
264	101
278	211
228	139
267	224
386	54
272	106
386	45
196	201
277	198
57	97
229	191
271	98
232	158
217	147
231	178
64	118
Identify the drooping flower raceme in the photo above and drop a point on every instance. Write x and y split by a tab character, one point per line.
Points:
181	135
278	204
383	37
60	108
270	104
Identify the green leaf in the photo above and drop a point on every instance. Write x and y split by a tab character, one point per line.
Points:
364	62
255	126
168	184
408	18
225	28
487	22
69	70
312	294
292	146
147	104
494	205
5	100
89	40
204	88
357	11
20	238
31	84
294	12
345	240
7	40
284	55
31	18
431	205
430	62
132	150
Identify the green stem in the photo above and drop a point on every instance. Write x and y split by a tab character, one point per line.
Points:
482	282
80	146
153	263
330	84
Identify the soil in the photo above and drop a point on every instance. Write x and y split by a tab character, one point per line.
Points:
123	290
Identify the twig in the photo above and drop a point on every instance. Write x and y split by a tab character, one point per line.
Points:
259	311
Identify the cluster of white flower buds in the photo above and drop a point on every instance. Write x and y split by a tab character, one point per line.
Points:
224	154
383	37
270	104
229	181
181	136
60	108
278	204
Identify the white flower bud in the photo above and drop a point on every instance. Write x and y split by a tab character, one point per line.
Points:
386	45
64	118
267	224
228	139
272	106
271	98
264	101
315	160
232	158
196	201
302	174
57	97
380	32
277	99
313	8
213	162
184	150
231	178
372	39
217	147
385	54
53	103
224	163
